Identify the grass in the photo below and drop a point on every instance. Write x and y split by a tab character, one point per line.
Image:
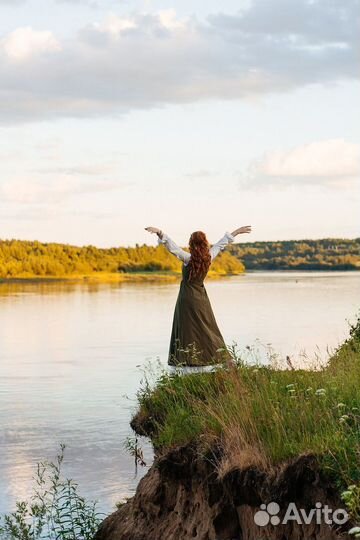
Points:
55	510
262	415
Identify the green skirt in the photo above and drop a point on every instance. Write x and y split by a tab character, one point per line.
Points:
195	337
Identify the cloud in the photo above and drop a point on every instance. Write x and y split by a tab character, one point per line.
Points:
33	191
23	43
306	21
151	60
83	170
333	163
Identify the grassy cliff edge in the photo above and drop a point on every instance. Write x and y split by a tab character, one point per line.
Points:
230	442
261	415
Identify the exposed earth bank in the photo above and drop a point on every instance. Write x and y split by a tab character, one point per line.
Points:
182	498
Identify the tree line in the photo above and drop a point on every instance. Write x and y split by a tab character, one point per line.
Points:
325	254
25	259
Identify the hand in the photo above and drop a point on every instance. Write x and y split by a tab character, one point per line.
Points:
154	230
242	230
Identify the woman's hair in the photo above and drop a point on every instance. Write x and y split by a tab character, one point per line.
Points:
200	255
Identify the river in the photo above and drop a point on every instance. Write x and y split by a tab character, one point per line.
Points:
72	358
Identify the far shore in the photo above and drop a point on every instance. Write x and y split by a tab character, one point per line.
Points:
140	277
105	277
98	277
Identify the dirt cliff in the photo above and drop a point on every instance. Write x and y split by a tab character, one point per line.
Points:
182	498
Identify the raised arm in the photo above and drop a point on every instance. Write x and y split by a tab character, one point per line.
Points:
220	245
228	238
170	245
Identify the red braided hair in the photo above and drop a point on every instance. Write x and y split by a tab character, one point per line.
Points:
200	255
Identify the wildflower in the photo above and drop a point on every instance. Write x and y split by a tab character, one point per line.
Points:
320	392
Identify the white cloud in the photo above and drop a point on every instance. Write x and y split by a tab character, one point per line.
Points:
25	42
115	25
32	191
332	162
150	60
168	19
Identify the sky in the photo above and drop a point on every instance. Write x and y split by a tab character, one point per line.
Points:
117	115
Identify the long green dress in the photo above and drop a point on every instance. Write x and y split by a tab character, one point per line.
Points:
195	338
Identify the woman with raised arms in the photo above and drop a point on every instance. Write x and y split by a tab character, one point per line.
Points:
195	338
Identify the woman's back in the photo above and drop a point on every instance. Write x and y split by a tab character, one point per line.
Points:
195	281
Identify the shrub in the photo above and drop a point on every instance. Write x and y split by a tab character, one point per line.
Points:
55	511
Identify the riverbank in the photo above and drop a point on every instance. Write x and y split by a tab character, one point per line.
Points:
97	277
227	442
148	277
112	277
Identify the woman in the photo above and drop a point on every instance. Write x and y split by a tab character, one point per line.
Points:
195	338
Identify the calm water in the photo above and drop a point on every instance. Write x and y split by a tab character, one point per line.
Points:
70	357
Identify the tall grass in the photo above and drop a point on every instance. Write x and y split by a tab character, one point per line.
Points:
55	511
259	415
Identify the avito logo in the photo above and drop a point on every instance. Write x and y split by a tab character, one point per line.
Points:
268	514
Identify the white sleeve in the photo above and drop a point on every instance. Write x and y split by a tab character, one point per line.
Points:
170	245
221	245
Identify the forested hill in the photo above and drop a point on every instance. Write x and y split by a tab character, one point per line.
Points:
23	259
326	254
